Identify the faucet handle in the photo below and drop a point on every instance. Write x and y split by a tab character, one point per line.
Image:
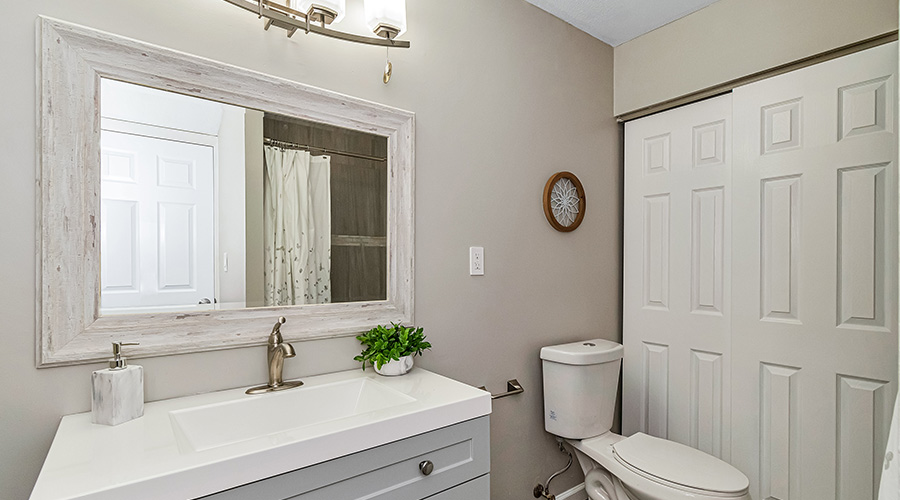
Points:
277	328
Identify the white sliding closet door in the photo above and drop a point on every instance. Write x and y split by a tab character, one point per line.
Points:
815	278
676	371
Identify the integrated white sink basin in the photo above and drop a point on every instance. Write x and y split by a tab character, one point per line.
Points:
194	446
281	416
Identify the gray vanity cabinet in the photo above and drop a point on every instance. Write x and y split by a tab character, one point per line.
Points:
459	458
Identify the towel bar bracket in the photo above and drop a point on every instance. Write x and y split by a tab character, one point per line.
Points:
512	387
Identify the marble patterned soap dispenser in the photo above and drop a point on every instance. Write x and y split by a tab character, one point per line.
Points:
117	392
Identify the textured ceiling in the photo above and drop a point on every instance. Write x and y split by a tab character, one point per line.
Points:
617	21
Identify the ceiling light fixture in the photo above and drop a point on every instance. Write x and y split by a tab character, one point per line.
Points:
386	18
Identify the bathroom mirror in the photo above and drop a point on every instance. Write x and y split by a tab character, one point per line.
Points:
193	218
74	64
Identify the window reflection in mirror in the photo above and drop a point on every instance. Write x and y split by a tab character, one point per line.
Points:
211	206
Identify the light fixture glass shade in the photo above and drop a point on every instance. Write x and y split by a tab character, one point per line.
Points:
389	14
338	7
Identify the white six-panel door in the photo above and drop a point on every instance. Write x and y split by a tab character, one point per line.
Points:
760	282
157	224
815	264
677	290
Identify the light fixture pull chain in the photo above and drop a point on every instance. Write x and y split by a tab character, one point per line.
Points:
387	66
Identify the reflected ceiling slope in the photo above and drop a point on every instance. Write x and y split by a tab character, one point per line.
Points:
618	21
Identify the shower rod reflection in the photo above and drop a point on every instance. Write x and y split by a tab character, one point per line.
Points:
292	145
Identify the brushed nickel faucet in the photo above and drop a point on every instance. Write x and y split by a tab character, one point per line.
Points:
278	349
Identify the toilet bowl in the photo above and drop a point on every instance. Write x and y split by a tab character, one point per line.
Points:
580	389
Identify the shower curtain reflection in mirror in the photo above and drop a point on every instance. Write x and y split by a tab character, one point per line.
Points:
297	225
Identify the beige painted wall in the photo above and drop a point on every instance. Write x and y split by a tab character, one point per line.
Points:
498	110
253	203
232	287
734	38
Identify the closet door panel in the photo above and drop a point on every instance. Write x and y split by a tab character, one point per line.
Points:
815	278
676	372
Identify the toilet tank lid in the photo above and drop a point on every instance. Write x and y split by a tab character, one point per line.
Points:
584	352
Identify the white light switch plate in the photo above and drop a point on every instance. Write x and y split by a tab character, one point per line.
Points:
476	261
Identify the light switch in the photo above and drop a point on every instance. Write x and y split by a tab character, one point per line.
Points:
476	261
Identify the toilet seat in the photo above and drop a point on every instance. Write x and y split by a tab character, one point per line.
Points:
653	485
679	466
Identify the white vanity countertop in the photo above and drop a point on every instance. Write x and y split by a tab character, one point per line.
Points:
141	459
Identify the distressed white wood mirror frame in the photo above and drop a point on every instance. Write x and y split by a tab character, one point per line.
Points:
70	329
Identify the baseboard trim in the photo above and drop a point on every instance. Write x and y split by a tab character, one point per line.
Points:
574	493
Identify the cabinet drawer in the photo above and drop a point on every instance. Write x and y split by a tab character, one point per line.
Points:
459	453
476	489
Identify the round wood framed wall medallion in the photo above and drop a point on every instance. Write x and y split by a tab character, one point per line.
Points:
564	201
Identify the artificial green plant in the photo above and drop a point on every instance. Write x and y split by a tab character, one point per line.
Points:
384	344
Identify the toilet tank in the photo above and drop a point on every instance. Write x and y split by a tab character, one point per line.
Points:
581	382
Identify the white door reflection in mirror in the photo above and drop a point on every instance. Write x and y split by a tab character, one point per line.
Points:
165	160
157	239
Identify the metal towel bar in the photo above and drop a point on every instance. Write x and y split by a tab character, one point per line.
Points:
512	387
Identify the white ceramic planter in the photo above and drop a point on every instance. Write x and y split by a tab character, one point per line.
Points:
395	367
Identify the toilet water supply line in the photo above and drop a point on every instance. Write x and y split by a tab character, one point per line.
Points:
544	491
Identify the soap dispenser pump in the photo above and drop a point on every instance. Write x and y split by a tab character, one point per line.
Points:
117	392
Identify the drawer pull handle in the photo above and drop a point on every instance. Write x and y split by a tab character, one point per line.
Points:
426	467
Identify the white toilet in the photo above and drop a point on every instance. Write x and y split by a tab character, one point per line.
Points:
581	381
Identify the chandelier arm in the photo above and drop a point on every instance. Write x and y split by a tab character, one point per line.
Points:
261	7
